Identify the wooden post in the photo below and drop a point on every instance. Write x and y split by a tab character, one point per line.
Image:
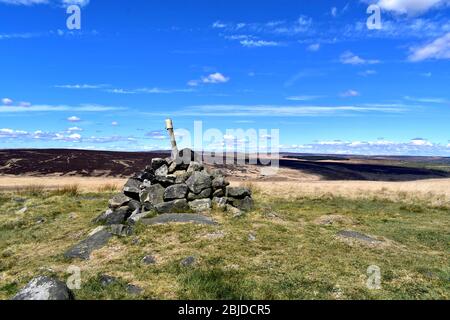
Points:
173	141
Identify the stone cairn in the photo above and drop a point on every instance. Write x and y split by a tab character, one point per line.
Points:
180	184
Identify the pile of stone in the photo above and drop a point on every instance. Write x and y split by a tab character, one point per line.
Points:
175	185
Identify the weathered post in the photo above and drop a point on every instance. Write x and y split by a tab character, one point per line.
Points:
173	141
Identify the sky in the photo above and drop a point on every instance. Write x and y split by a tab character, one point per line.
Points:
315	71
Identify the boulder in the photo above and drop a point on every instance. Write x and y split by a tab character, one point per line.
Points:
219	202
153	195
158	163
119	200
117	216
162	171
45	289
134	205
136	217
181	176
202	205
198	182
219	193
132	188
219	183
165	181
238	192
149	260
188	262
121	230
177	191
84	249
205	194
172	206
195	166
245	204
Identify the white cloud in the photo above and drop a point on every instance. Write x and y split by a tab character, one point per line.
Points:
74	129
334	11
428	100
114	123
258	43
437	49
213	78
314	47
219	25
24	2
410	7
367	73
58	108
73	119
7	101
302	98
350	58
350	93
81	86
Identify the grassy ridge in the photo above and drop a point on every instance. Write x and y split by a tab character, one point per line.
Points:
280	251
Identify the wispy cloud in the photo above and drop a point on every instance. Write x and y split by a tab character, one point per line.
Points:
437	49
213	78
409	7
281	111
80	3
350	93
350	58
58	108
428	100
303	98
81	86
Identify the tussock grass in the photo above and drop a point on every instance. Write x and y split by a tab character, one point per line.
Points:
108	188
291	257
68	190
33	190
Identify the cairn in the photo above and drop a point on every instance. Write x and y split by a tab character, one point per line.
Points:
179	184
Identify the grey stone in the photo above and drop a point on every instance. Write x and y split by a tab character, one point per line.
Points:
251	237
172	206
245	204
219	193
188	262
158	163
149	260
195	166
165	181
235	212
173	167
205	194
22	211
219	183
84	249
179	218
136	217
117	216
119	200
121	230
132	188
217	173
181	176
162	171
44	289
201	205
358	236
107	280
220	203
134	290
134	205
198	182
238	192
177	191
153	195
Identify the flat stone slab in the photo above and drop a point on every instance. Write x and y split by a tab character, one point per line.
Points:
179	218
84	249
358	236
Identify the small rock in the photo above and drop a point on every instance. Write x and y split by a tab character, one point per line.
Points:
177	191
198	182
162	171
98	229
132	188
22	211
153	195
44	289
107	280
158	163
251	237
195	166
358	236
219	193
202	195
188	262
215	235
134	290
235	212
136	217
238	192
201	205
172	206
219	183
220	203
121	230
119	200
149	260
245	204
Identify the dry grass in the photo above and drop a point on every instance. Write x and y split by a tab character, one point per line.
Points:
435	192
108	188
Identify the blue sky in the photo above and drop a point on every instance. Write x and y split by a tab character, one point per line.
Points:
315	72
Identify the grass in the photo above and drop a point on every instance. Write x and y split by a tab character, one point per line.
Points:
292	257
